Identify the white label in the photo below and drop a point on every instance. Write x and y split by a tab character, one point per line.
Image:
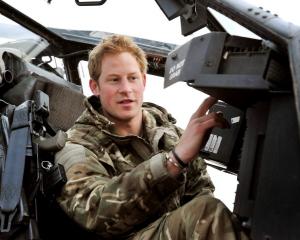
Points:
217	145
213	143
176	69
208	143
235	119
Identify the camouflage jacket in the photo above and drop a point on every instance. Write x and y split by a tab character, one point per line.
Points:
117	185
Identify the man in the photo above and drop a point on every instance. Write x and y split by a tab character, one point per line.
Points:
131	172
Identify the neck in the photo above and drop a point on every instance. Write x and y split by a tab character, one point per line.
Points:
127	127
132	127
126	130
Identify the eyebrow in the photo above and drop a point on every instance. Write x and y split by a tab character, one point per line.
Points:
116	75
113	75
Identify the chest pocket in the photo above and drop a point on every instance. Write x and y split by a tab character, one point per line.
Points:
129	154
166	141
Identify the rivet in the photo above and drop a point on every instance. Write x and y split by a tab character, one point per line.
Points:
174	56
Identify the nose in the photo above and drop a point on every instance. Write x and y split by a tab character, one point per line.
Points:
125	86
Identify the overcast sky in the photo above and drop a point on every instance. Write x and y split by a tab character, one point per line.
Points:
143	18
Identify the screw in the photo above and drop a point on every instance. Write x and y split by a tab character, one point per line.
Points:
208	64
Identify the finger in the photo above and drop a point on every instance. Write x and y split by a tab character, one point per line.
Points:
213	118
212	123
204	107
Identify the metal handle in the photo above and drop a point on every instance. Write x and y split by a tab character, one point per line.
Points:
90	3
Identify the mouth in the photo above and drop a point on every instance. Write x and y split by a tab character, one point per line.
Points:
126	101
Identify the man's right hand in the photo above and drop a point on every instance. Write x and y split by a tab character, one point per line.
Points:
198	130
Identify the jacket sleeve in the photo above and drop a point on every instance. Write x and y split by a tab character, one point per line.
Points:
112	204
198	179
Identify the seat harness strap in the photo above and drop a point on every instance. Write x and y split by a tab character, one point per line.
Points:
12	176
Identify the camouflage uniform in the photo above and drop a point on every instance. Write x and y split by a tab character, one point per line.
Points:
120	187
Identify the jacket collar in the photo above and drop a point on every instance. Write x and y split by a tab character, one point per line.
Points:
154	116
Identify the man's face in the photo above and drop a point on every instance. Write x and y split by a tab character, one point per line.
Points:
120	87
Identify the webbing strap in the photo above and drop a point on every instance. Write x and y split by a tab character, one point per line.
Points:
12	176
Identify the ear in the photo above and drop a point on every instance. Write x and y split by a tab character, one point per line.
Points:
94	87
